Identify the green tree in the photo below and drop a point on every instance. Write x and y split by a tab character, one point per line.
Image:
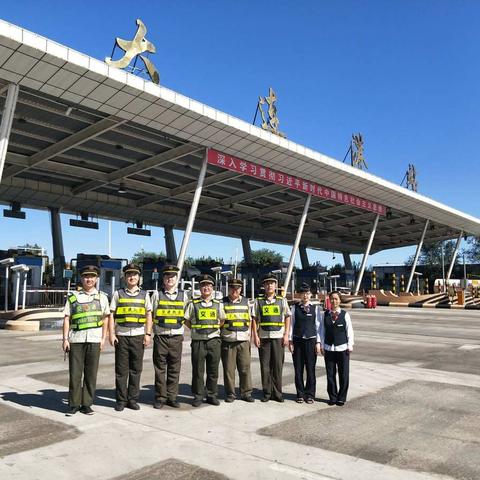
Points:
265	258
204	261
431	259
138	257
472	251
431	254
336	269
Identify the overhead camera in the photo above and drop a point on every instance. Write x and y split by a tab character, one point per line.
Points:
22	268
7	262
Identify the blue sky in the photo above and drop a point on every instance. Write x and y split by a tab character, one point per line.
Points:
403	72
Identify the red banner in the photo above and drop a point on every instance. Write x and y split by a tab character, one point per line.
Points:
295	183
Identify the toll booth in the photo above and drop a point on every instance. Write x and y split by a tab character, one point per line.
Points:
110	270
36	269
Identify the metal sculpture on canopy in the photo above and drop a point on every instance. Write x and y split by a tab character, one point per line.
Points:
133	49
271	123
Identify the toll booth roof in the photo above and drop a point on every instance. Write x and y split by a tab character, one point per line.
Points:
83	129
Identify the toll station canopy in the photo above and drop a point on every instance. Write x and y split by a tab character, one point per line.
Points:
93	139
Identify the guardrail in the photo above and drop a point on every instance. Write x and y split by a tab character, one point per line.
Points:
45	297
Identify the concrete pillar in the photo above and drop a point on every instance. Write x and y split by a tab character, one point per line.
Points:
170	249
304	257
347	261
57	241
247	251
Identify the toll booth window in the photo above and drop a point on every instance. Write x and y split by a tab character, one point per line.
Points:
29	277
108	277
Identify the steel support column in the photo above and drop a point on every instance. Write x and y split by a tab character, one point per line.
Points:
6	125
304	257
417	254
247	251
192	215
57	242
454	257
365	256
170	248
296	244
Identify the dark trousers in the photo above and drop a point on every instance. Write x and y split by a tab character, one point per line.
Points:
272	355
340	360
83	361
128	367
236	355
167	361
305	358
205	353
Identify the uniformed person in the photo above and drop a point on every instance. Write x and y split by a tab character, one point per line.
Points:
169	311
304	343
336	344
236	349
85	328
205	316
271	324
130	333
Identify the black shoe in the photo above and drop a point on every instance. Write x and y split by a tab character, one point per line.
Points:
279	399
133	405
173	404
248	399
213	401
158	404
230	399
265	399
331	402
340	404
119	406
87	410
196	402
72	411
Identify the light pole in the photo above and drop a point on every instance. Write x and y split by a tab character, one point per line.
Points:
324	276
217	271
334	278
418	275
444	287
226	273
278	272
19	269
6	263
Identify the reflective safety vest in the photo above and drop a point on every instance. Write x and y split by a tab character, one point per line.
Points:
270	314
207	319
237	315
85	315
170	313
130	311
